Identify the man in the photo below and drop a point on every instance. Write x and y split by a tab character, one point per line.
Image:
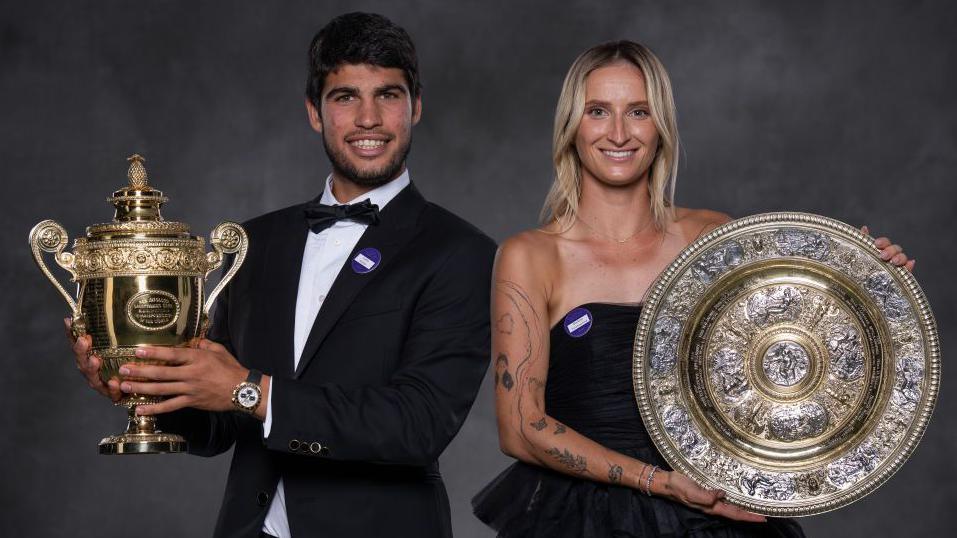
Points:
368	323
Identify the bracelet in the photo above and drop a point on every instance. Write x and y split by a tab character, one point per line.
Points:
651	476
641	473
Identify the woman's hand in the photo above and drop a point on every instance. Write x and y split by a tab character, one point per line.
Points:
890	252
678	487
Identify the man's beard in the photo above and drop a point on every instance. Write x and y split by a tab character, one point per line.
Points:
367	178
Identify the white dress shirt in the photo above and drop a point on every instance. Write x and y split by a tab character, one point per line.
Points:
324	256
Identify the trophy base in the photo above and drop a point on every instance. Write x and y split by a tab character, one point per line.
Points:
140	443
141	435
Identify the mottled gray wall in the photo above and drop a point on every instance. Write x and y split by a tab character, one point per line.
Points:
843	109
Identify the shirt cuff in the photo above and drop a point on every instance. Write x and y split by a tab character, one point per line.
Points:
267	424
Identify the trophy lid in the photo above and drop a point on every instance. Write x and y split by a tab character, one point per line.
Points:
138	207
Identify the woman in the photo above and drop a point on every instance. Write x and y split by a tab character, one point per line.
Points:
587	466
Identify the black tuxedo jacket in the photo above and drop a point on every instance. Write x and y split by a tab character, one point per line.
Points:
387	376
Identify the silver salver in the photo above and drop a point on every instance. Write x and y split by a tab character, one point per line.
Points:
781	360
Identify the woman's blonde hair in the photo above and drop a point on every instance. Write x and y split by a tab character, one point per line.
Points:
561	205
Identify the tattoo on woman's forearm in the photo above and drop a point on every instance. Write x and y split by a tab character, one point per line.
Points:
614	473
507	381
574	462
539	425
501	372
505	324
559	428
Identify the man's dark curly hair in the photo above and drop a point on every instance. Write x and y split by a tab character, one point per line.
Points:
360	38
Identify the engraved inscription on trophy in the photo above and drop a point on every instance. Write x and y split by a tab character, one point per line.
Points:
153	310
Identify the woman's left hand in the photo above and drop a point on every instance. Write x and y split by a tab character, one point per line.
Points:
890	252
679	487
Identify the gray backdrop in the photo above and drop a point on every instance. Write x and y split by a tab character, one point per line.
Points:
845	110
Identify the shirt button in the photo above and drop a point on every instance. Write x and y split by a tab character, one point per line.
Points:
262	498
338	242
322	298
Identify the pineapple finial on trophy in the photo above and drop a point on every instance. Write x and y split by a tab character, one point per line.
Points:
137	172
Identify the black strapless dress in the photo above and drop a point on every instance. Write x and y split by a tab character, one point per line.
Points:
590	389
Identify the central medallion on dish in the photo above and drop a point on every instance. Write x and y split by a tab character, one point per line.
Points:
786	363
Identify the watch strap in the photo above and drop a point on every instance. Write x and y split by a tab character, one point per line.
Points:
255	376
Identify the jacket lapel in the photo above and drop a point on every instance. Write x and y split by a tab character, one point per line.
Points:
395	229
286	242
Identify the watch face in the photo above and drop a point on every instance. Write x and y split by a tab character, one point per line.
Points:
248	396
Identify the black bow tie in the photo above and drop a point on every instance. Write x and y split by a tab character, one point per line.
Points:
321	216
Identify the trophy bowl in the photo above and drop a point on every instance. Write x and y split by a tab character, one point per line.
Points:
780	359
139	283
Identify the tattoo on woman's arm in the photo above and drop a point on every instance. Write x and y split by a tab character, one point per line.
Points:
574	462
501	364
505	324
520	326
539	425
559	428
507	381
614	473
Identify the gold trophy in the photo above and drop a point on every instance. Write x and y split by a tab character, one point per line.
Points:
139	283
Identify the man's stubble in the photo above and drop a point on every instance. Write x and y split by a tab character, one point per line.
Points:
371	178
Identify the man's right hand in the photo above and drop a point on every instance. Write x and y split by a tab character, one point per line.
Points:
89	365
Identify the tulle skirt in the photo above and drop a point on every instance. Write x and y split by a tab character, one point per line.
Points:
531	501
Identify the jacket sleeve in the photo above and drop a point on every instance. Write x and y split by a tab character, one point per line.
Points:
208	433
413	418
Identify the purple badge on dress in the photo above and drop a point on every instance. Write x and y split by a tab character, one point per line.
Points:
577	322
366	260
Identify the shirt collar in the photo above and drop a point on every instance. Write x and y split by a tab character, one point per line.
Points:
379	196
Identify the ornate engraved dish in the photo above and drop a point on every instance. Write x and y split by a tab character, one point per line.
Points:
781	360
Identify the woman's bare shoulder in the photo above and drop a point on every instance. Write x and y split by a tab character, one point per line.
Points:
692	223
529	258
534	247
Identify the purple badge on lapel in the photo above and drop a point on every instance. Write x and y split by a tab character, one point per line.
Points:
577	322
366	260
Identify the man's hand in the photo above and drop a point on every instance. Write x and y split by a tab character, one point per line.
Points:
202	377
89	364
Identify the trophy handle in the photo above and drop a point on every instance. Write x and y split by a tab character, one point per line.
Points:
49	236
226	238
